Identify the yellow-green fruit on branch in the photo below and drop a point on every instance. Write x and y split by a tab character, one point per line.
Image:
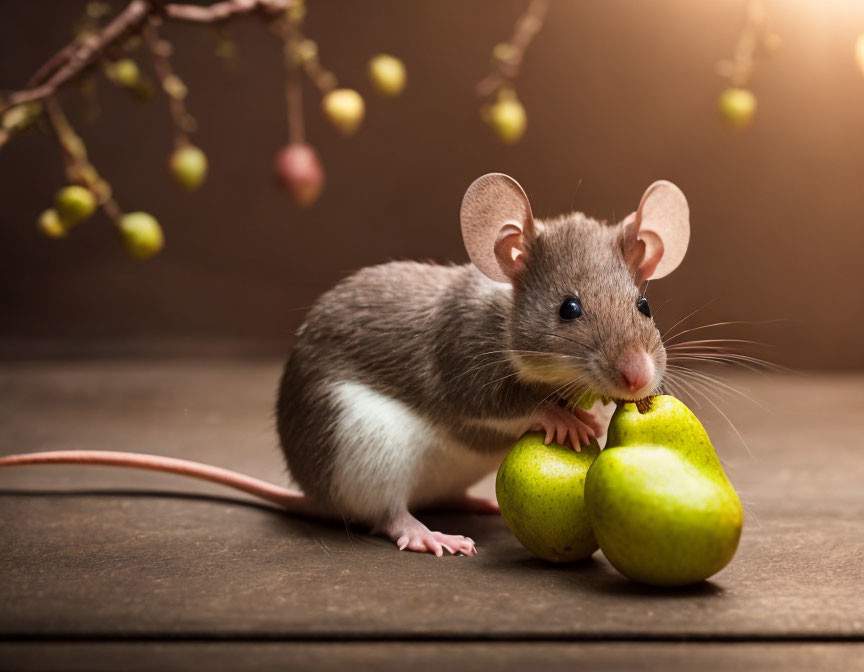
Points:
189	167
344	108
124	72
19	117
540	490
737	106
51	225
74	204
507	118
142	234
299	171
387	74
660	504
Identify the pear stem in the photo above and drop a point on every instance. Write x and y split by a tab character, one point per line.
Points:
644	405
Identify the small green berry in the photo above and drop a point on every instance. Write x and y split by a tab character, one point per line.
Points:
124	72
189	167
387	74
737	106
50	224
175	87
142	234
507	118
344	108
21	116
74	204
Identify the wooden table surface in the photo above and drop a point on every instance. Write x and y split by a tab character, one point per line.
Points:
104	568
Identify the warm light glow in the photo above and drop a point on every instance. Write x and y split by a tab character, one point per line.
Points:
859	52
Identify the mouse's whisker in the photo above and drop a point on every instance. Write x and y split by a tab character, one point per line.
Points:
505	360
714	360
504	351
713	343
516	373
725	354
477	367
656	311
556	391
719	324
697	391
574	393
731	424
564	338
755	364
714	382
677	388
702	386
687	317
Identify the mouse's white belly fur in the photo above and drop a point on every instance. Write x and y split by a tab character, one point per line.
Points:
388	456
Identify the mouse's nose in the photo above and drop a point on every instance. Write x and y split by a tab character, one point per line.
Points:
637	369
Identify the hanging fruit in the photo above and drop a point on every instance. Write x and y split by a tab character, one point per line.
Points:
501	109
344	108
737	103
123	72
49	224
737	106
141	234
188	165
299	171
387	74
506	117
74	204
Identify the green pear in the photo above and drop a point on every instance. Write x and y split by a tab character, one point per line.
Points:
540	490
662	509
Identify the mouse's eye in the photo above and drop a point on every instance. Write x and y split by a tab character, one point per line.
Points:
642	305
570	309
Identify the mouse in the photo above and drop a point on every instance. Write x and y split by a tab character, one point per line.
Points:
409	381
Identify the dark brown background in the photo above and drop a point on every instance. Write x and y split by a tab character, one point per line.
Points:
618	94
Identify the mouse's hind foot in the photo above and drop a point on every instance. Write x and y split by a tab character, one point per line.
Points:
412	535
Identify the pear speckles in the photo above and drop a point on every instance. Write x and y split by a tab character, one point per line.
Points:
660	505
540	491
656	500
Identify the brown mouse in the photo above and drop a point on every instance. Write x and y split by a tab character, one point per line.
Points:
409	381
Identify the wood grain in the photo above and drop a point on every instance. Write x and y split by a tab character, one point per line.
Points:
111	554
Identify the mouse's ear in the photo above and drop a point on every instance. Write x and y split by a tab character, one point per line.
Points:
496	220
657	234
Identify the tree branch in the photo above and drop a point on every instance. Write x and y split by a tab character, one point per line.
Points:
506	69
76	57
222	11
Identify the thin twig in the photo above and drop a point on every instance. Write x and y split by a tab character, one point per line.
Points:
293	90
79	170
76	57
506	70
160	51
739	69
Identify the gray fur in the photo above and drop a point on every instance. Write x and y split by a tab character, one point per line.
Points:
433	337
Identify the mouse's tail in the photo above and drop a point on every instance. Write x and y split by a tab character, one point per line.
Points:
284	498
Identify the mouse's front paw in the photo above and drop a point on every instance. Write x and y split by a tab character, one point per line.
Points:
562	426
